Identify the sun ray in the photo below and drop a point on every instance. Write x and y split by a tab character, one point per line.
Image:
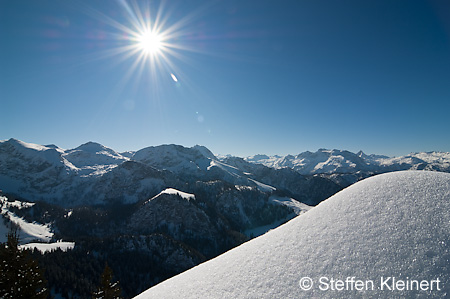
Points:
150	41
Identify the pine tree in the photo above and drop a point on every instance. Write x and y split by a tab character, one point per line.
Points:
20	276
107	289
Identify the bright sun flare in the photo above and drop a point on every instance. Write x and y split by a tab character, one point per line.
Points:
149	42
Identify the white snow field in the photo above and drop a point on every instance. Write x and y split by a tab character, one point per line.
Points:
385	237
28	231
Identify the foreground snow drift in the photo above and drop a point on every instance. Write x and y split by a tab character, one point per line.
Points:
386	236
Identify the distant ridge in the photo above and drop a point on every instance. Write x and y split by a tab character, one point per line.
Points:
335	161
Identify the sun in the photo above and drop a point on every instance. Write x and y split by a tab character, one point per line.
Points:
149	42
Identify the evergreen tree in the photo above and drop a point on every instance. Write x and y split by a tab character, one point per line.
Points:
20	276
107	289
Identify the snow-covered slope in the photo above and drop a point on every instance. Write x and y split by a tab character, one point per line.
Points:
337	161
391	233
28	231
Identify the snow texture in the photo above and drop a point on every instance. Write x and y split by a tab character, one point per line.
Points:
391	225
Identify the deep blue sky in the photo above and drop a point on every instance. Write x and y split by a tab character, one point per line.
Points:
272	77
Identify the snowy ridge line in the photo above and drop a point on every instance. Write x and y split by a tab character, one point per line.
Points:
340	161
182	194
172	191
52	174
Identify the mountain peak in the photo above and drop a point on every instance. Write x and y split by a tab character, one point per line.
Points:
205	151
361	154
17	142
93	147
12	140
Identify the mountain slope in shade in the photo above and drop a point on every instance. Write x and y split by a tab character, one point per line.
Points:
174	211
390	225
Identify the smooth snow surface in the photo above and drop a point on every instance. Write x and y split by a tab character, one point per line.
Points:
391	225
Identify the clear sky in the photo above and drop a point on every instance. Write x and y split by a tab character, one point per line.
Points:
239	77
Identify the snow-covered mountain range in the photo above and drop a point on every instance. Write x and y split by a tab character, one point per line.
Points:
346	168
335	161
94	174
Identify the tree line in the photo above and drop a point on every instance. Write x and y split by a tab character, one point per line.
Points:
21	276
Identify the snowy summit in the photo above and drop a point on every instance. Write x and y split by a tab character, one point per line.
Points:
386	236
